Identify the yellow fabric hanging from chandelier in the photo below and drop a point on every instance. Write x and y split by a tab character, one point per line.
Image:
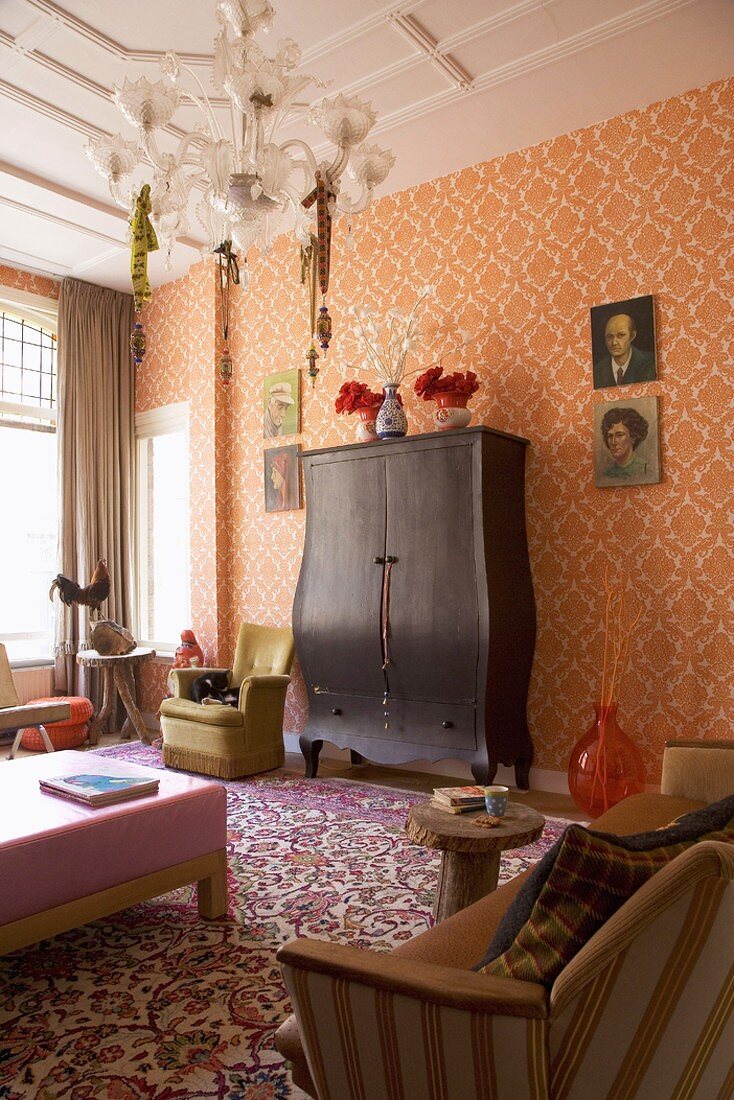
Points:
143	241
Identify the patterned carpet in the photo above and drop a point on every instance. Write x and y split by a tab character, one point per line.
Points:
155	1003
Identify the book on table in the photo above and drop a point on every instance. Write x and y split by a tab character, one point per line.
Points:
459	796
99	788
470	807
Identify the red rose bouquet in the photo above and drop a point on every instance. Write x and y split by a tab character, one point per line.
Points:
356	395
433	381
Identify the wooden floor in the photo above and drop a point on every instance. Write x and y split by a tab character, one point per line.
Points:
547	803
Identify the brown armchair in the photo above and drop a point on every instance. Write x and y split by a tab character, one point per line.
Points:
642	1011
226	741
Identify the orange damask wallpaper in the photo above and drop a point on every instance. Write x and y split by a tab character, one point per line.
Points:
31	284
520	248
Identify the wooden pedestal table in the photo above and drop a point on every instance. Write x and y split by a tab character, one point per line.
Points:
117	672
470	856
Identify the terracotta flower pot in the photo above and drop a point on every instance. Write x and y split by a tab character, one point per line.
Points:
451	410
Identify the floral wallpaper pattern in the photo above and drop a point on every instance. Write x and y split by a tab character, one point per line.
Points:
519	248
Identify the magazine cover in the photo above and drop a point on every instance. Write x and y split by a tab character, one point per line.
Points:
97	787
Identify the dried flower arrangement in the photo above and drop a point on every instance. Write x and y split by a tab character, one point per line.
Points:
618	628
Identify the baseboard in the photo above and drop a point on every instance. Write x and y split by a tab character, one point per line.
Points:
541	779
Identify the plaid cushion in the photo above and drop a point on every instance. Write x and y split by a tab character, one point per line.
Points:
593	875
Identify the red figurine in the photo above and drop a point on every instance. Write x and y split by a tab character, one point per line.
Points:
189	654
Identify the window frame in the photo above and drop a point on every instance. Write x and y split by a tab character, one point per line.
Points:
40	313
166	420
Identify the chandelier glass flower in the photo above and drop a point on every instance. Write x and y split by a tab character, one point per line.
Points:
246	178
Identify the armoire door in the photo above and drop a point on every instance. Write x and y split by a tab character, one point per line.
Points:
340	588
433	611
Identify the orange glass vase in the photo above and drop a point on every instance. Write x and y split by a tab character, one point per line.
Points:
605	766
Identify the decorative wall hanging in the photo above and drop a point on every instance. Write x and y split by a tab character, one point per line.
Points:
282	481
626	446
249	178
143	240
281	405
229	276
623	342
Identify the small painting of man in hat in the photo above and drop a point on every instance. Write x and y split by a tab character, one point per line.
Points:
280	404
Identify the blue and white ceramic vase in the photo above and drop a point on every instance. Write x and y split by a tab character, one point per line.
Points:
391	423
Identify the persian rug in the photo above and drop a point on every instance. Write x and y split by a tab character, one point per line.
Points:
155	1003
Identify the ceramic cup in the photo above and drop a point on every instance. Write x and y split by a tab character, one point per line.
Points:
495	799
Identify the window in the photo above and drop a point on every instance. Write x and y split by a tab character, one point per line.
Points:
163	525
29	483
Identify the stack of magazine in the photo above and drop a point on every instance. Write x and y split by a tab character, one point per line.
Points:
98	788
458	800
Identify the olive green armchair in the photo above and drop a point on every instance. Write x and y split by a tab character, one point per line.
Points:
226	741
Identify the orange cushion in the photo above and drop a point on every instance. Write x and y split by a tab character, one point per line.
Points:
65	734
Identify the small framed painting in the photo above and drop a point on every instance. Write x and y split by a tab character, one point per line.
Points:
623	342
626	442
281	404
282	479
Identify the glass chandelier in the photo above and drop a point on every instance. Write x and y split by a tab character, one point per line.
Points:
247	180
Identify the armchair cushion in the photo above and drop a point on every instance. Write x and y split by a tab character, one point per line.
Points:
592	876
260	651
692	825
219	714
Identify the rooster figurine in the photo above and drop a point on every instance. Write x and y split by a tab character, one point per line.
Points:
92	596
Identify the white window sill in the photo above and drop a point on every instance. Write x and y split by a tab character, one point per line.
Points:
32	662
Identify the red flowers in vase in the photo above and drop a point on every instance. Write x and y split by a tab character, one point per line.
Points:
450	392
356	395
433	382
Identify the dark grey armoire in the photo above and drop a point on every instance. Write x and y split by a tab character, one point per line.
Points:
415	585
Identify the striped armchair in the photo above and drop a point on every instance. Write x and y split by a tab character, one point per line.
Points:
644	1009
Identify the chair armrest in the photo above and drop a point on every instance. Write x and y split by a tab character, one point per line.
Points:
441	985
700	770
183	678
368	1020
254	688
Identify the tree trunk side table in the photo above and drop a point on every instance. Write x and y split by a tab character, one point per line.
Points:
470	856
117	672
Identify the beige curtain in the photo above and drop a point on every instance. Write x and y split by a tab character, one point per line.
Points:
96	403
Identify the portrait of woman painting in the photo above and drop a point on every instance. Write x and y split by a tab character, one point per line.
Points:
626	444
282	479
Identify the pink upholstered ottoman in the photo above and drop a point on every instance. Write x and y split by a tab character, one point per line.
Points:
63	864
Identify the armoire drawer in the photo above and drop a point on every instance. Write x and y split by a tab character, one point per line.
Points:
410	720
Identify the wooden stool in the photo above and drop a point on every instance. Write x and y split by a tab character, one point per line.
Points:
117	672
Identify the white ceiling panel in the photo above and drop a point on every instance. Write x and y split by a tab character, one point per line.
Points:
454	84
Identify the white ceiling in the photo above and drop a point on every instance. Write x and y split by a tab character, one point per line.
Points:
455	82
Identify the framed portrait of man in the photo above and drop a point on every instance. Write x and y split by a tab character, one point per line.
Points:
623	342
626	442
282	480
281	404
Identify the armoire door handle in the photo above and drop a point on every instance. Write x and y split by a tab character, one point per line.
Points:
390	559
378	561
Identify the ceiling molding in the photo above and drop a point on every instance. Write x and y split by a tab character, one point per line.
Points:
493	23
85	201
103	41
21	208
429	48
37	265
95	261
